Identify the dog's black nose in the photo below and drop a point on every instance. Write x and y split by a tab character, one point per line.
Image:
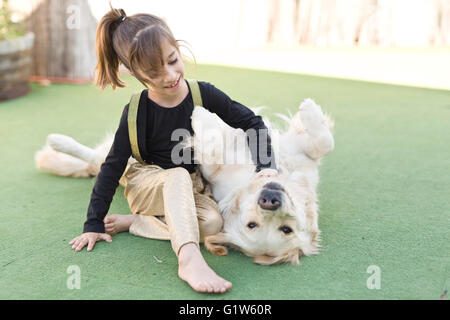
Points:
273	186
269	199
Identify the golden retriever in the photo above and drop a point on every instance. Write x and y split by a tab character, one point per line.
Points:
272	219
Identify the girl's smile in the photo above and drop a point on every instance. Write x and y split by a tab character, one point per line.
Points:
176	85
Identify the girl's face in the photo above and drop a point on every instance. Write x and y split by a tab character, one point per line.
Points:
169	79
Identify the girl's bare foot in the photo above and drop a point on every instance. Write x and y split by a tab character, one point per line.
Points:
116	223
193	269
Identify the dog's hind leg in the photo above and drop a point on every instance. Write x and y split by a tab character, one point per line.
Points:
63	164
70	146
65	156
313	130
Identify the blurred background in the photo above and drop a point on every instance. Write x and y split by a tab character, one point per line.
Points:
391	41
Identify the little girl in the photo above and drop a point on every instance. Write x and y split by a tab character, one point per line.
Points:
168	201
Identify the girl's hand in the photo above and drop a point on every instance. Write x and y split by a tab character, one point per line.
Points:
89	239
267	173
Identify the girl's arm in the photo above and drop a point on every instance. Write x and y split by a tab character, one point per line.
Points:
239	116
108	178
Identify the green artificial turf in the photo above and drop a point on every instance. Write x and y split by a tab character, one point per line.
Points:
384	197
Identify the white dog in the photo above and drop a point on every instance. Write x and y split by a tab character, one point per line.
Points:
271	219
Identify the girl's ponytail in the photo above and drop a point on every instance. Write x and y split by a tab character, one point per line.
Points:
107	58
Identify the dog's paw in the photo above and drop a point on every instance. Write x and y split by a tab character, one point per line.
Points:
312	117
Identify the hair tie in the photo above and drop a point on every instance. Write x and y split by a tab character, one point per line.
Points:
121	19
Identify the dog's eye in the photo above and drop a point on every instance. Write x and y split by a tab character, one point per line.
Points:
251	225
286	229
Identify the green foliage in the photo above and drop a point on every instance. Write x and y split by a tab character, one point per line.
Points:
8	28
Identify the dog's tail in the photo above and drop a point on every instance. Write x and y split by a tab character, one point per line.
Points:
63	164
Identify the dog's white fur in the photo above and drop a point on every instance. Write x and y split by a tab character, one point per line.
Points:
236	187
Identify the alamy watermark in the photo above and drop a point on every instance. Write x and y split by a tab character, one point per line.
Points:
218	146
74	280
74	19
374	280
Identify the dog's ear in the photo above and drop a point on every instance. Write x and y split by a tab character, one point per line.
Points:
312	223
265	260
216	244
290	257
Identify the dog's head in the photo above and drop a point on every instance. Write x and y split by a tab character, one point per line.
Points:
272	219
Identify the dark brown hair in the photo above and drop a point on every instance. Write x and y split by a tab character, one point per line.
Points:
135	42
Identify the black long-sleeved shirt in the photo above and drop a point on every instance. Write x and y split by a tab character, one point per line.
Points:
155	125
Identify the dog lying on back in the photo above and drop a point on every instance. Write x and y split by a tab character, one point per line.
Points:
272	219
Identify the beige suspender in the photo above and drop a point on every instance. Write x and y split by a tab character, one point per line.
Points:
195	92
133	111
132	126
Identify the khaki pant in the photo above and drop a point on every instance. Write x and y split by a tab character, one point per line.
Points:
171	204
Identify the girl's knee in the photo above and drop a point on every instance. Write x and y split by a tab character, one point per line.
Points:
179	175
179	172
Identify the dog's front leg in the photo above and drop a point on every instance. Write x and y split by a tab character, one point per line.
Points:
222	152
